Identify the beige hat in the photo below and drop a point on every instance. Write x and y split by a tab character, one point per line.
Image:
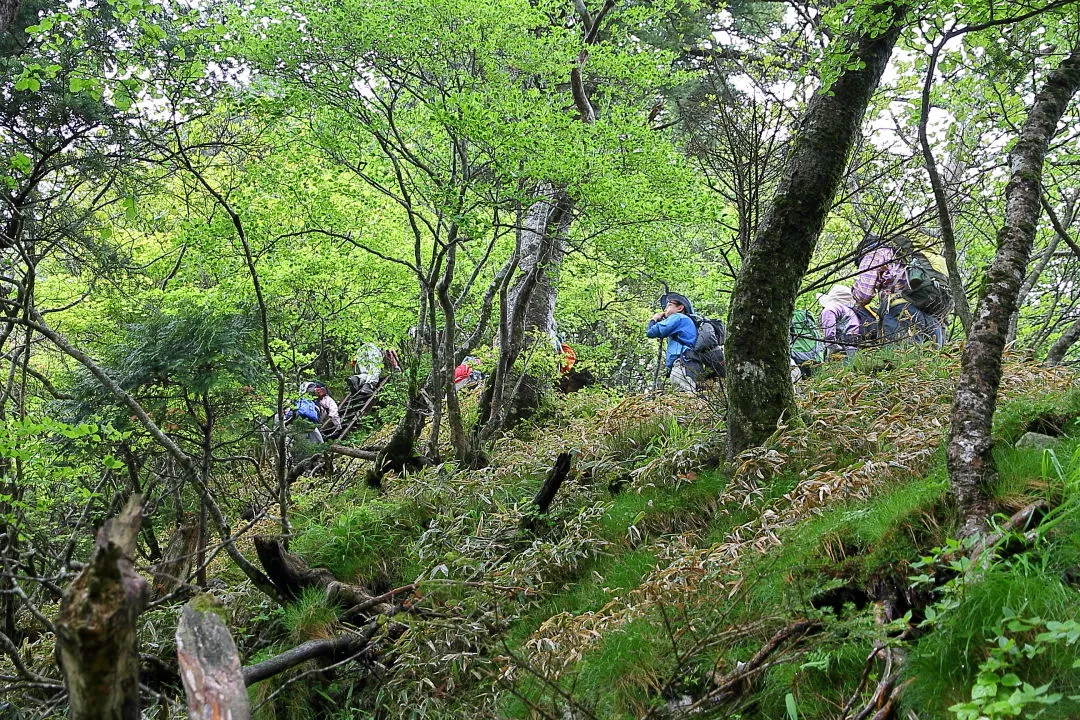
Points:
837	294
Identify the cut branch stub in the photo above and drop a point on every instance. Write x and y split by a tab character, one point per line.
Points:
210	664
96	634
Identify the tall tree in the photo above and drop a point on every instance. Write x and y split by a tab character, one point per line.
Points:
759	387
972	471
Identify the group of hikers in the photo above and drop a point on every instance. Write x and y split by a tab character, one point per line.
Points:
910	284
317	406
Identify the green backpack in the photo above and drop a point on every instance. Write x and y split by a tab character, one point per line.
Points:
806	343
928	279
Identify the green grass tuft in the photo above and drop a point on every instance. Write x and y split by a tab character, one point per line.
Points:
310	617
365	543
943	664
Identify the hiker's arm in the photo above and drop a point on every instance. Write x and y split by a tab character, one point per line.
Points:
866	283
828	324
659	329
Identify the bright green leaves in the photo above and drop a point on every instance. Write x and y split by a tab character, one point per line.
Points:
999	692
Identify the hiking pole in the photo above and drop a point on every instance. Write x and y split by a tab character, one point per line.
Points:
659	346
659	363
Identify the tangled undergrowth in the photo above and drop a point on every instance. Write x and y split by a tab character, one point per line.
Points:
661	584
653	574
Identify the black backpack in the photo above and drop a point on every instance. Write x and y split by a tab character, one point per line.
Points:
709	348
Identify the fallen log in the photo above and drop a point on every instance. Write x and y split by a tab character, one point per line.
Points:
354	452
210	664
96	628
343	646
309	463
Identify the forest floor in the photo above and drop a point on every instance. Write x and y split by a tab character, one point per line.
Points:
815	577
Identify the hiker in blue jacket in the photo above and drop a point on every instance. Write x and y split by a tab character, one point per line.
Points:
675	325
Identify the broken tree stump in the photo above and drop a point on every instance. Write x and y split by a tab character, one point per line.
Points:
555	477
96	628
171	572
210	664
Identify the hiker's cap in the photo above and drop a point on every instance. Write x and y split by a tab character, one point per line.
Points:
307	387
868	244
688	308
837	293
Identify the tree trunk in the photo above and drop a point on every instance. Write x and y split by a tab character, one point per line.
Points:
8	10
210	665
172	571
759	386
527	317
1058	350
970	453
1029	283
530	308
945	223
96	634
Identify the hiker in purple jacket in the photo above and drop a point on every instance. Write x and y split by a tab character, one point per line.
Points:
839	322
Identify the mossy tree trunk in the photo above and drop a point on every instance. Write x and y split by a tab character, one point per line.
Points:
759	386
528	324
972	472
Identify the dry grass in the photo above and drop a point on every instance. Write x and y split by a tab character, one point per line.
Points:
860	432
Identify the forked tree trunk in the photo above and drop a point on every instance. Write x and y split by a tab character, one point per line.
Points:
532	302
759	386
527	317
96	628
972	472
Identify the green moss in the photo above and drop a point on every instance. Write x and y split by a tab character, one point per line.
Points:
205	602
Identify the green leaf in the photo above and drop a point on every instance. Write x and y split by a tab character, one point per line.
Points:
1010	680
129	208
21	162
792	707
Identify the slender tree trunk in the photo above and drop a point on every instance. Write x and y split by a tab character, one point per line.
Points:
970	454
759	386
941	200
1029	283
1057	352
